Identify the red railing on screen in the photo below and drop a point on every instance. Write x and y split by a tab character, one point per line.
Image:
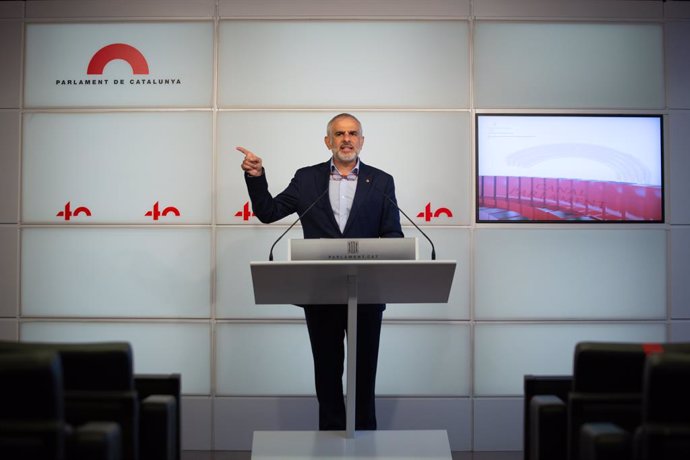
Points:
545	199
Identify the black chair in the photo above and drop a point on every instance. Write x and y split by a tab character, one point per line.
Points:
99	384
606	388
32	422
664	430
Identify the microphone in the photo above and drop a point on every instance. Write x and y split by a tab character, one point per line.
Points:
270	254
433	249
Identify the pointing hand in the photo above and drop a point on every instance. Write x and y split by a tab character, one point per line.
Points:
251	164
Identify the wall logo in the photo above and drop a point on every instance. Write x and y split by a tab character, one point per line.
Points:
245	213
428	214
67	212
109	53
156	213
96	70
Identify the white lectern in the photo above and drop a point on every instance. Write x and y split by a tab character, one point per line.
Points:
350	282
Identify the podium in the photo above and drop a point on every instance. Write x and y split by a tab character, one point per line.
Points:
351	282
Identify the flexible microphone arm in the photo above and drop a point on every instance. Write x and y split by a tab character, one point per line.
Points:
433	249
270	254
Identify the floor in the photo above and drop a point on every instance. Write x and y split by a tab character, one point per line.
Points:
207	455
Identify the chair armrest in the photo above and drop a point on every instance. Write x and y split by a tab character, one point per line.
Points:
163	384
558	385
624	410
95	441
159	433
604	441
548	428
82	407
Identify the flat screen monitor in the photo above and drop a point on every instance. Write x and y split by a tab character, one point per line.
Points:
569	168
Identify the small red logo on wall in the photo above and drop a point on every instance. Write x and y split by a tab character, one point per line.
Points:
245	213
428	214
67	212
156	213
121	51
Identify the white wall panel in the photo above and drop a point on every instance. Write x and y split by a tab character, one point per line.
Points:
159	348
275	359
429	156
552	65
118	166
505	353
285	141
451	414
424	360
678	63
112	272
309	64
9	165
9	276
680	272
236	419
428	153
559	274
450	244
263	359
197	423
680	331
178	71
497	424
236	247
679	165
11	58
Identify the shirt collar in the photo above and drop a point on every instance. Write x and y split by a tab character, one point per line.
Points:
354	171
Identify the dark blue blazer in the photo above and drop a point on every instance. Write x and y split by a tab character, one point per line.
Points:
372	215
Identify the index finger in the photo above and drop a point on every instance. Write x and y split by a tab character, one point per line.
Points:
244	151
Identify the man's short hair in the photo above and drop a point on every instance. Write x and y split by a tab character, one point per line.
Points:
339	116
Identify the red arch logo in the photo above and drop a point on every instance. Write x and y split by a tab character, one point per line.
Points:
118	51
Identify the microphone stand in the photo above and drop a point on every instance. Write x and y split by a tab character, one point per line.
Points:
270	255
433	249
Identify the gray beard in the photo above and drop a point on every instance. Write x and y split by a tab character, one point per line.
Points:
339	157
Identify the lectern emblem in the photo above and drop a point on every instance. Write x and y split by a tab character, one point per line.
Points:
353	247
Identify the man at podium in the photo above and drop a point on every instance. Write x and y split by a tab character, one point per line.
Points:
357	206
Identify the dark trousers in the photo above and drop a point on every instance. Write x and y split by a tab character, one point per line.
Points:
327	325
